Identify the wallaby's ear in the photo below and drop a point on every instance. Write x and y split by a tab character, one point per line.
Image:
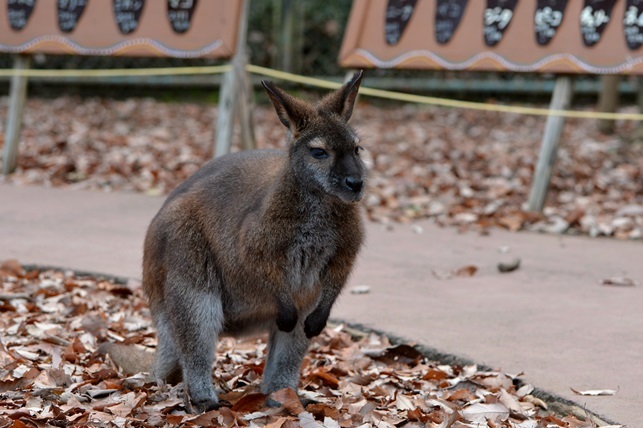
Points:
342	100
292	112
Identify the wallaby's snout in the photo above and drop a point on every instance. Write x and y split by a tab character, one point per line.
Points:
351	171
349	178
355	185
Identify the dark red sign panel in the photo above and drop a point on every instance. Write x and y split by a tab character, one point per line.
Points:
547	18
497	17
448	15
633	24
398	14
69	12
127	14
18	12
594	17
180	12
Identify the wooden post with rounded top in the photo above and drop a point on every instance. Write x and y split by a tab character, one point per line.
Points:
17	96
235	93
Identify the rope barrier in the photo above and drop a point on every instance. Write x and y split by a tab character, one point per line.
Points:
444	102
321	83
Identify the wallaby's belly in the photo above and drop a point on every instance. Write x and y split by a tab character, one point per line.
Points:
249	304
245	313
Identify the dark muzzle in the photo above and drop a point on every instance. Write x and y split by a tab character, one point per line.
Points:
353	184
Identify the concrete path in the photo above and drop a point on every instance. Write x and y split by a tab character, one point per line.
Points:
551	319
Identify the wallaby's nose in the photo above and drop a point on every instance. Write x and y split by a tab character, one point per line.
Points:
354	184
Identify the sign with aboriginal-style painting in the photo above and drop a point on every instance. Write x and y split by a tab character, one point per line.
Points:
398	14
547	36
448	14
547	18
121	27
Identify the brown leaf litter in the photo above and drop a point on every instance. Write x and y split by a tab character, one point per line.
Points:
461	168
52	372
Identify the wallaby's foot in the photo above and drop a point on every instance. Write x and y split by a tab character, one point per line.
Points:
202	395
315	323
272	403
287	317
204	404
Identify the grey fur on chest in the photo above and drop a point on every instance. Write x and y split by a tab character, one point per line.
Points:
311	249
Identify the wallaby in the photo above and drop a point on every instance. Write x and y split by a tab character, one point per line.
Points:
261	239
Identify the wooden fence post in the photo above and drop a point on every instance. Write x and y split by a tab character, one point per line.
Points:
608	101
17	96
245	108
232	88
561	100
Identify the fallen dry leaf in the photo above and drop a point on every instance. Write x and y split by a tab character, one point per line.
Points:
468	270
361	289
481	412
620	281
12	267
464	271
289	399
595	392
510	401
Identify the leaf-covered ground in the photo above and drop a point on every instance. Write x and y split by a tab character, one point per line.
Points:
463	168
52	373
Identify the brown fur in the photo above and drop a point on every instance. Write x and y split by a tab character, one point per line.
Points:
258	240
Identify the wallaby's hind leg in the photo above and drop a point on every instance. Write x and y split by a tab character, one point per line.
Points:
285	354
197	319
167	366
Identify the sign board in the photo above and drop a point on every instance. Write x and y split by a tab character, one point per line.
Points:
172	28
547	36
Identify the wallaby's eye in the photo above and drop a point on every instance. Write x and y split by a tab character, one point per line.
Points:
358	149
318	153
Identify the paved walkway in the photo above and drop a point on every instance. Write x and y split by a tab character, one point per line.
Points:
550	319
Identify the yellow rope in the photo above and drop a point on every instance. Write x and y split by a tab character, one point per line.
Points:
311	81
420	99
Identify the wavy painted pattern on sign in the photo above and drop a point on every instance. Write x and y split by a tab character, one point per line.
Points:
149	45
489	59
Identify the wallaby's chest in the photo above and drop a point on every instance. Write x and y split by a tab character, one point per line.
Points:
308	254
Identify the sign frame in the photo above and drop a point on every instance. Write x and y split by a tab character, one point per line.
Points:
364	44
212	33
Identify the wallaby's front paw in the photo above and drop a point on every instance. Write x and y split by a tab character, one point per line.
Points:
315	323
287	318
